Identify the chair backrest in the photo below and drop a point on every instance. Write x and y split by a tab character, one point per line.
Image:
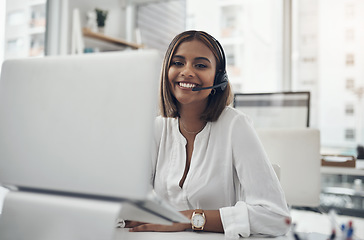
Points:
297	153
277	170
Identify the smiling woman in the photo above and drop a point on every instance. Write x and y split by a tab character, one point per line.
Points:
193	65
205	56
208	161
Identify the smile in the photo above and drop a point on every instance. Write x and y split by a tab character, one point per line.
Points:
187	85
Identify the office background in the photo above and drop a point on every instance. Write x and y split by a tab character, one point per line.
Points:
271	46
279	45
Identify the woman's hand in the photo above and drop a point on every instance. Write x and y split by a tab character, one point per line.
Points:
150	227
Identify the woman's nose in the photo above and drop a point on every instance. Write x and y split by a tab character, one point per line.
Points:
187	71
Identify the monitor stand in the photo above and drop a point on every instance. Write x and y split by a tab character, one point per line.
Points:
36	216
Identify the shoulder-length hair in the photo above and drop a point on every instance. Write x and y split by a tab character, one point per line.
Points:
216	102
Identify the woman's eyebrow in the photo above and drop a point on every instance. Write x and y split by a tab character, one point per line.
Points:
203	58
179	56
197	58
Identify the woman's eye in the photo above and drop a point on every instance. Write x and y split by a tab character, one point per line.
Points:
177	63
200	65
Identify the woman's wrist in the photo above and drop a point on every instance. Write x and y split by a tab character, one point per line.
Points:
188	214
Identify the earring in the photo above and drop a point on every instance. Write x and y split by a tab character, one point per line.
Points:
213	91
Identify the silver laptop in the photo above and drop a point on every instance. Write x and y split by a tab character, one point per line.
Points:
81	126
297	152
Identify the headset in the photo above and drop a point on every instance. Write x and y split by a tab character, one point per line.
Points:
221	78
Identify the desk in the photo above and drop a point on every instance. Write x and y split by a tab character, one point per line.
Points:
308	221
122	234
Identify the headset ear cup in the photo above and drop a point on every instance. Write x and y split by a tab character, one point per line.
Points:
221	77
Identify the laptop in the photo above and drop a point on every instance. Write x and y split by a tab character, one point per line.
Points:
297	152
82	127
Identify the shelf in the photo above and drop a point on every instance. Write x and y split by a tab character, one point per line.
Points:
342	171
357	171
119	42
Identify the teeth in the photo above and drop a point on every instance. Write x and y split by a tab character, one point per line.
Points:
187	85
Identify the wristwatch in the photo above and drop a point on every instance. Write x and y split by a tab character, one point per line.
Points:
198	220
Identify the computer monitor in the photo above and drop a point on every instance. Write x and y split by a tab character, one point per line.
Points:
79	124
275	109
75	142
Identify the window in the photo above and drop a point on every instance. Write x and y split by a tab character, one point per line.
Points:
349	10
350	134
336	69
349	35
251	33
350	84
349	59
230	18
349	110
308	39
324	58
16	18
309	59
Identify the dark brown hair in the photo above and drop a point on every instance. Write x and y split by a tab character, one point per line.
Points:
217	102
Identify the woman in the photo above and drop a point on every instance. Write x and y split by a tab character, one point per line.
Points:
209	162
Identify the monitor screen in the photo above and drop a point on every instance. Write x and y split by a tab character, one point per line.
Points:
275	110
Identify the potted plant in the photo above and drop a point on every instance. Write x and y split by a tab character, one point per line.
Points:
101	16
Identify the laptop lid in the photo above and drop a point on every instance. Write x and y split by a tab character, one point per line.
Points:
79	124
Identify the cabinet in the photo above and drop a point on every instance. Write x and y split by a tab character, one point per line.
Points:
25	28
343	189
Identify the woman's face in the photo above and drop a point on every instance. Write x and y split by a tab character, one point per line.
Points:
193	65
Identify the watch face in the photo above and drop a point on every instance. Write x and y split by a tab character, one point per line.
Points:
198	220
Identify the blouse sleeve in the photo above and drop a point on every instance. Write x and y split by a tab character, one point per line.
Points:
261	207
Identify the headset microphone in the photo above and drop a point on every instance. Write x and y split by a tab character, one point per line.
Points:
221	85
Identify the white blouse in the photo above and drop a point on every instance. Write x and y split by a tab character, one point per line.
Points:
229	171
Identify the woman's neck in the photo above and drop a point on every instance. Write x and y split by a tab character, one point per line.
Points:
190	118
191	112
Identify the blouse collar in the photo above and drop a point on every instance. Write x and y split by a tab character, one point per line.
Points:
201	135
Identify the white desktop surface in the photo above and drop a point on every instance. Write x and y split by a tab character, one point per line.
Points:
314	226
123	234
308	221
